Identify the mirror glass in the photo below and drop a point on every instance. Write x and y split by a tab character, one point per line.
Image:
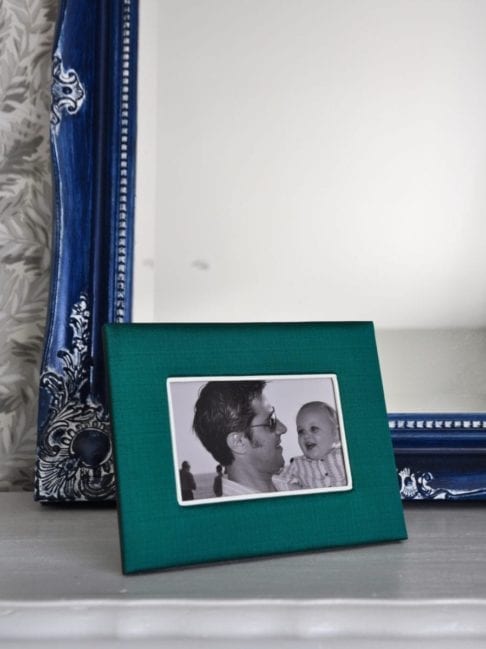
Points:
321	160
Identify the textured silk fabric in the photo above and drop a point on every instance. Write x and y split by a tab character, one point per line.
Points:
157	532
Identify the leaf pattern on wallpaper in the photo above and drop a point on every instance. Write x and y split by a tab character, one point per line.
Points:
26	36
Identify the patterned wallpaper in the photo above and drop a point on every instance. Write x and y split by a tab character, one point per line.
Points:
26	34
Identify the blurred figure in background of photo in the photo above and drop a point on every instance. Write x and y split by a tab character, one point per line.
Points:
187	482
218	482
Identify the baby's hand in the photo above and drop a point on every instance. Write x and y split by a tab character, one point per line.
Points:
294	485
280	483
287	483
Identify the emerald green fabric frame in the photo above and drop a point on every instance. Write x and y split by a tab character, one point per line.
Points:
155	531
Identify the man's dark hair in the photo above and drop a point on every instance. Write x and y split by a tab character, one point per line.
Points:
224	407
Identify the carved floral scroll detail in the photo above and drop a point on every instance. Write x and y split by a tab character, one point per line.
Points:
75	460
68	93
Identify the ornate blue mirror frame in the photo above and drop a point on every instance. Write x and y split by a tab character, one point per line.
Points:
93	156
439	456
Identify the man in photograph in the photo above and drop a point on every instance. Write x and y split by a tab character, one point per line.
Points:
239	427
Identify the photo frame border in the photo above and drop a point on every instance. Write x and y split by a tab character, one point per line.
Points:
93	127
256	495
155	531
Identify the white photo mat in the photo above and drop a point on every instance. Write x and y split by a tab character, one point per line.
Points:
287	393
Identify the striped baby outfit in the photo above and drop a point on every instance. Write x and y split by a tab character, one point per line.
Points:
303	473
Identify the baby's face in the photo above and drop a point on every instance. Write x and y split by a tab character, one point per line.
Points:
316	433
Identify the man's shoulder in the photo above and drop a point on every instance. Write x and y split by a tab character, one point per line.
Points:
232	488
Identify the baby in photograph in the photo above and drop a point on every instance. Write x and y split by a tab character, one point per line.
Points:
322	464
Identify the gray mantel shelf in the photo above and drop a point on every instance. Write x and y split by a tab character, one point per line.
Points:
60	582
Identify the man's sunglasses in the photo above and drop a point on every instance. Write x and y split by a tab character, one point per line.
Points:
271	423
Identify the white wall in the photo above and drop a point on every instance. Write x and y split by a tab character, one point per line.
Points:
314	159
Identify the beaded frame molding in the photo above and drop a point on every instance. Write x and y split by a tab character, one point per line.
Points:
93	120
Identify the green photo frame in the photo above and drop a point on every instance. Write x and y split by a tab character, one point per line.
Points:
164	417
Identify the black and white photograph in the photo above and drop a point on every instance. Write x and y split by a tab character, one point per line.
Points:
247	437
